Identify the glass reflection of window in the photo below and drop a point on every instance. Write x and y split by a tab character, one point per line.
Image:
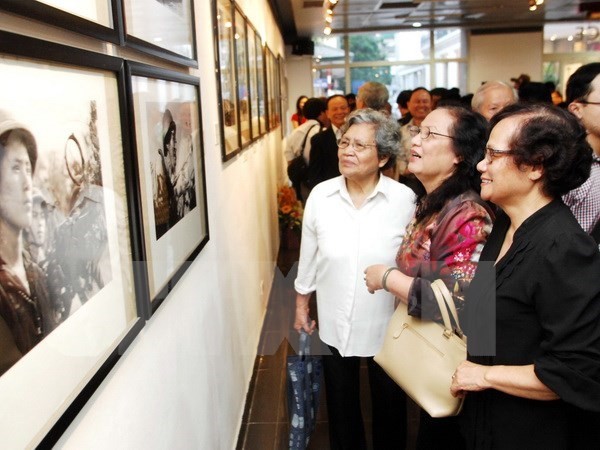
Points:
242	77
253	80
226	64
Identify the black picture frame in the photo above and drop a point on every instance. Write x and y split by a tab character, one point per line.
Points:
161	28
73	103
109	29
253	82
168	145
261	65
224	50
242	68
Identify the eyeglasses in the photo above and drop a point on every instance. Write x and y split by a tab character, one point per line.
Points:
585	102
424	132
357	145
492	153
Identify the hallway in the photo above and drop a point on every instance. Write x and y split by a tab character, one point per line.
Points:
265	421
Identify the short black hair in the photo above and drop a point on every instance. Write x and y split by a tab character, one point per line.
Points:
403	97
313	108
552	138
579	85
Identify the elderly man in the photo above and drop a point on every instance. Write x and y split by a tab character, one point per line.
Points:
372	95
491	97
583	99
323	161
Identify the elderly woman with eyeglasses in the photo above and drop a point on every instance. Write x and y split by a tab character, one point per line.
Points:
532	379
445	238
350	222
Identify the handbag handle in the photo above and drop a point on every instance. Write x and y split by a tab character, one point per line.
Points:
446	303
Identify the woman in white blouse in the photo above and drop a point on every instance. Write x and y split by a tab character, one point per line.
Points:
351	222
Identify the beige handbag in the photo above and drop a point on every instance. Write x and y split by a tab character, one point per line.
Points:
421	355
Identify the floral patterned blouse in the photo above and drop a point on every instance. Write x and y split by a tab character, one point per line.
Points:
447	246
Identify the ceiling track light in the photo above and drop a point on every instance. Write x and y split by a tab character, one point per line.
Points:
533	4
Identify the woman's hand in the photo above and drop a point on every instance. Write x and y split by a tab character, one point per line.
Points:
469	377
303	320
373	276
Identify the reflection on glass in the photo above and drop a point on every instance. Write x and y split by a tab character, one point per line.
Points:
242	77
253	84
226	65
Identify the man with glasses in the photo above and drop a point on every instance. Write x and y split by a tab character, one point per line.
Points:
583	99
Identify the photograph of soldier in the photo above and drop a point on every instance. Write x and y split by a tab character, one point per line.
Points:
26	313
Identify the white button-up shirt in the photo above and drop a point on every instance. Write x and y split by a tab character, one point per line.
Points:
338	242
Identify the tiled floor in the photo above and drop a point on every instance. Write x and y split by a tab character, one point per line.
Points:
265	421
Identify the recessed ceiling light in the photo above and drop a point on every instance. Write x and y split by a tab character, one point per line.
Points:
327	30
417	24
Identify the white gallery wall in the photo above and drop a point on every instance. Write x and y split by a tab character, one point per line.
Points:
182	383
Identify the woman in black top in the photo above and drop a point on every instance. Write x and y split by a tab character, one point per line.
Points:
532	379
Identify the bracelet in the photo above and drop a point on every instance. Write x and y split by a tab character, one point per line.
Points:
384	278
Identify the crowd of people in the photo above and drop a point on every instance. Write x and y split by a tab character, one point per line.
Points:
497	195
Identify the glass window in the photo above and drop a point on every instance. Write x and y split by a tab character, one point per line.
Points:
399	46
451	74
330	50
329	81
449	43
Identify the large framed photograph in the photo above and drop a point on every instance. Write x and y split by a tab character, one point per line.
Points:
101	19
170	161
283	96
226	77
162	28
67	284
243	82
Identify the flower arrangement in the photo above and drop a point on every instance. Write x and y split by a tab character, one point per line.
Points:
290	209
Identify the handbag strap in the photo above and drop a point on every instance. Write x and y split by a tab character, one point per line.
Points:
304	341
446	303
306	137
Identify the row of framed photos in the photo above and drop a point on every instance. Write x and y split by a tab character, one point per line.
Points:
250	80
162	28
103	167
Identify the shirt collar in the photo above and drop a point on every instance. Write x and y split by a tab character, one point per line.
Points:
383	187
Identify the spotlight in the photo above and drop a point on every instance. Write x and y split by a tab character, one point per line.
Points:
327	30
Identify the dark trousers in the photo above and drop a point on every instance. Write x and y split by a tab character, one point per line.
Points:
346	429
439	433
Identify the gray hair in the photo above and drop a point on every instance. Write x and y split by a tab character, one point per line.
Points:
373	94
387	132
479	94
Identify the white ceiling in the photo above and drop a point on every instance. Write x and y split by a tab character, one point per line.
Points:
379	15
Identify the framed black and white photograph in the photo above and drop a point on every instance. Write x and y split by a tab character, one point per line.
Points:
67	284
162	28
262	85
283	96
101	19
168	143
226	78
243	83
253	83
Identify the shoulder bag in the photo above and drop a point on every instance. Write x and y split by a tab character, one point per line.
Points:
298	169
421	355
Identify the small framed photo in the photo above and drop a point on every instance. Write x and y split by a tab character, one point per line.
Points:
253	83
226	78
101	19
263	120
68	301
162	28
167	138
243	82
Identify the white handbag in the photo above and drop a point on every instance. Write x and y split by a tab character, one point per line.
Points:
421	355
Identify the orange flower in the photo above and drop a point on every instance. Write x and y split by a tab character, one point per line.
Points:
286	209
